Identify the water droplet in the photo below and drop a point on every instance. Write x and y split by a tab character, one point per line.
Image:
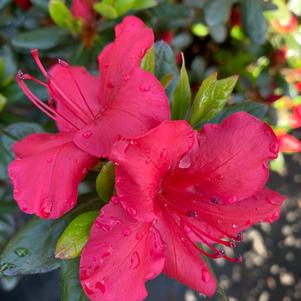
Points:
23	206
165	205
127	77
126	232
215	200
110	85
107	253
186	229
150	276
135	260
118	180
103	226
185	163
49	160
139	236
21	252
274	147
46	209
100	285
87	134
88	289
265	165
133	142
234	226
144	87
63	63
131	211
85	171
164	153
232	199
205	275
147	161
75	161
192	213
115	200
219	176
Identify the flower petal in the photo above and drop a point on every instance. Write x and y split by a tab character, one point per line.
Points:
230	160
183	262
47	172
120	256
140	105
143	161
224	220
120	58
75	92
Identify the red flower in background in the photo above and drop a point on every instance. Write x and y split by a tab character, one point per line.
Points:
283	26
177	187
91	113
23	4
288	143
83	9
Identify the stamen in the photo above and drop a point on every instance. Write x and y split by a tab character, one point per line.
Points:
35	56
66	65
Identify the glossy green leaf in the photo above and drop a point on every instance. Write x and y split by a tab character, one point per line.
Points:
217	12
143	4
2	102
75	236
253	20
257	109
71	289
106	10
211	98
181	98
105	181
43	38
62	16
31	249
148	62
123	6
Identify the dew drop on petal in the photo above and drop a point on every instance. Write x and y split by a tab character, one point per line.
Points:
147	161
232	199
49	160
265	165
126	232
46	209
87	134
115	200
127	77
234	226
107	253
88	288
131	211
205	275
215	200
135	260
100	285
144	87
23	206
85	171
150	276
192	213
164	153
274	147
139	236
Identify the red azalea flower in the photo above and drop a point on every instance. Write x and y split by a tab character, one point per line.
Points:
83	9
177	187
23	4
295	117
90	113
289	144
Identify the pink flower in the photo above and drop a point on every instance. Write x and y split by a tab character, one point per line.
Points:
91	113
289	144
177	187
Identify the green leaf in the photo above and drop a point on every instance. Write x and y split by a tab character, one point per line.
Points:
17	131
75	236
278	165
71	289
4	3
217	12
31	249
165	63
62	16
181	98
253	20
218	33
143	4
43	38
257	109
148	62
41	4
105	181
211	98
123	6
106	10
2	102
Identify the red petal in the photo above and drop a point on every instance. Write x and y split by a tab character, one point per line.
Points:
120	58
120	256
80	87
230	161
47	173
183	262
140	105
83	9
289	143
143	162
